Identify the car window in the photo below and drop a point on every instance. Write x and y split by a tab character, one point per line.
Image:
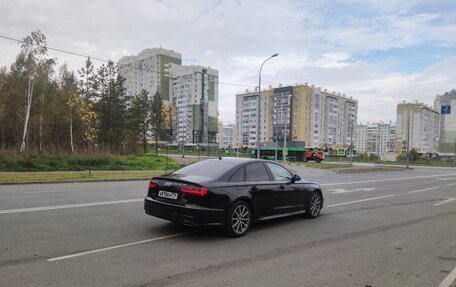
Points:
238	176
206	168
256	172
279	173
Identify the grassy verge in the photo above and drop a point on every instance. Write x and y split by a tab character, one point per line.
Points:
322	165
81	162
83	176
372	169
448	162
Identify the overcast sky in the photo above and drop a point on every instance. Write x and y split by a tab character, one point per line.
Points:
379	52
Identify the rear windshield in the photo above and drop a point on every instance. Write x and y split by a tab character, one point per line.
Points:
206	168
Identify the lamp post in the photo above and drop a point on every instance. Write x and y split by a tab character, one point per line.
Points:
351	142
284	150
259	105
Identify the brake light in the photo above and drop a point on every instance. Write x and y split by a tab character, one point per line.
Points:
152	184
194	190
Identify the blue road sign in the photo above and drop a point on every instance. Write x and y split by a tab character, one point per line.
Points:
446	110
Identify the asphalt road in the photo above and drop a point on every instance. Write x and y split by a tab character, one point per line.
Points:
376	229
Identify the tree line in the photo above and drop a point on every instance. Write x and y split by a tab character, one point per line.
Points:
49	110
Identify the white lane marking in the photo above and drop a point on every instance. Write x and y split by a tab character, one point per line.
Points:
41	208
420	190
451	178
49	191
361	200
451	184
449	279
118	246
385	179
445	201
342	190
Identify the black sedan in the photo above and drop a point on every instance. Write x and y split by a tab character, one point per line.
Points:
231	193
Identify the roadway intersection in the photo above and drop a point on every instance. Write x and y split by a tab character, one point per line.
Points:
395	228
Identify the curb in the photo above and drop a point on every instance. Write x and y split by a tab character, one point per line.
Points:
72	181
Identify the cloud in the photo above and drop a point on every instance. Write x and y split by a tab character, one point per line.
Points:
319	42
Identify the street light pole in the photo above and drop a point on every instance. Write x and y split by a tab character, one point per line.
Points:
284	150
351	142
259	105
407	161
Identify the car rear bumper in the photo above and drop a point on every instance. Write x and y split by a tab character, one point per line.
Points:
191	215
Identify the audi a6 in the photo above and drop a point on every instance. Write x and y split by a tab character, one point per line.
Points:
231	193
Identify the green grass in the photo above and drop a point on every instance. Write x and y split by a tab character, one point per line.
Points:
324	165
62	176
80	162
373	169
447	162
200	153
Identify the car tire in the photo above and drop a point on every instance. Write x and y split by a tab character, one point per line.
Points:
239	219
314	205
318	160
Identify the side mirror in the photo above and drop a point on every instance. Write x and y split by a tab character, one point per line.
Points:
296	178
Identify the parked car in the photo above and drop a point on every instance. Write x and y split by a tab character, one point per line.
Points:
231	193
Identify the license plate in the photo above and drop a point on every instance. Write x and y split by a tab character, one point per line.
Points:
167	194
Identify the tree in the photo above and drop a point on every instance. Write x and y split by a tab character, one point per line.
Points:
111	107
157	116
139	116
69	92
30	62
88	80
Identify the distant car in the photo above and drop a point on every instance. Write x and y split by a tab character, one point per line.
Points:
231	193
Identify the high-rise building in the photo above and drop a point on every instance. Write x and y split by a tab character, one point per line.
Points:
375	138
302	113
225	136
189	93
418	123
194	100
246	118
446	105
149	70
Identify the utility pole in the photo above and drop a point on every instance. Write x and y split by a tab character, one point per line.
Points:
378	142
284	152
259	107
183	138
351	142
407	161
454	154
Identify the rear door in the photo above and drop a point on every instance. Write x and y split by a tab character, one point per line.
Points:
258	183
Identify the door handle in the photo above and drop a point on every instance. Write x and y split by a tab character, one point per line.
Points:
282	186
254	188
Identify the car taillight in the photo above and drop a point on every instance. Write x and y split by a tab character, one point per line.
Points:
152	184
194	190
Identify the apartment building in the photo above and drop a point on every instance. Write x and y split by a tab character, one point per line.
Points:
446	105
419	123
301	113
149	70
190	93
194	102
225	136
375	138
247	112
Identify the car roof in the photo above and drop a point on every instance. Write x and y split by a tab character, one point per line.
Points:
236	160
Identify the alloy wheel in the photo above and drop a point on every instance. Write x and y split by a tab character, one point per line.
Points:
315	205
240	219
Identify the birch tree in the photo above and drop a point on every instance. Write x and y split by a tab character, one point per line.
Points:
33	57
